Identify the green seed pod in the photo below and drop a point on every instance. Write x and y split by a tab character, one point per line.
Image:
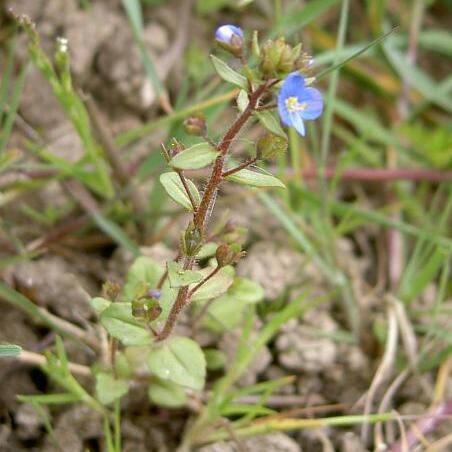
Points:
153	309
139	308
224	255
270	146
228	254
278	58
191	240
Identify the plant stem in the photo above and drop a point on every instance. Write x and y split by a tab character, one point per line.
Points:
216	175
201	283
243	165
187	190
36	359
117	425
201	216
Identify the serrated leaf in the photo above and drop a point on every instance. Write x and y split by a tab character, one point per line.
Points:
9	350
271	123
242	100
228	74
215	286
180	360
173	186
119	322
255	179
166	393
143	271
197	156
178	277
99	304
108	389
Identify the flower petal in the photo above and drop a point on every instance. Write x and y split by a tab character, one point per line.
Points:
314	101
293	85
298	123
282	110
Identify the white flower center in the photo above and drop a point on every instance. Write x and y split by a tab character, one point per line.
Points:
293	105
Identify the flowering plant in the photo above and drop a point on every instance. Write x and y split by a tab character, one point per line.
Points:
140	317
297	102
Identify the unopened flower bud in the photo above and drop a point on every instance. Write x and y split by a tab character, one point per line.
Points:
271	146
278	58
230	38
155	293
195	125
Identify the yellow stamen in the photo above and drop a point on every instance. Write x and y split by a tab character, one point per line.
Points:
293	105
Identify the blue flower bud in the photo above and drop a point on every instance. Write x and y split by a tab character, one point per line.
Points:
230	38
225	34
155	293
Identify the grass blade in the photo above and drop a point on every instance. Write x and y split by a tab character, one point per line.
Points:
133	10
9	350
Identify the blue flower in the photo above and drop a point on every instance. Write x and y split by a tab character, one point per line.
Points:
155	293
298	103
225	33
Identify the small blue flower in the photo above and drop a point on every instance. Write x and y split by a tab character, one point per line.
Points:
155	293
297	102
225	33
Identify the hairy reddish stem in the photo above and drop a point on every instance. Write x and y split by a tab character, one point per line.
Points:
201	215
223	147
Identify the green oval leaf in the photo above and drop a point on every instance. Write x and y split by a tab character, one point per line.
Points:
180	360
119	322
197	156
173	186
108	389
271	123
166	393
246	291
207	250
228	74
178	277
144	271
242	101
99	304
255	179
224	314
227	311
215	286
